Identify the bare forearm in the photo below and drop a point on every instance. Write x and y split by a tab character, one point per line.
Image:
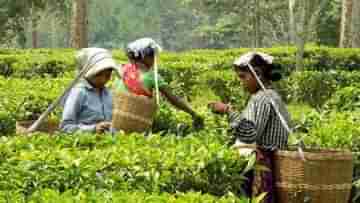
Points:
177	102
71	127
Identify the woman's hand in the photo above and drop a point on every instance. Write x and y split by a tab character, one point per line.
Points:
102	127
219	107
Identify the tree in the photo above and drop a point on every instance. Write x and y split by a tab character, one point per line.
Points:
308	13
356	24
176	24
16	15
328	25
34	29
292	25
79	27
346	22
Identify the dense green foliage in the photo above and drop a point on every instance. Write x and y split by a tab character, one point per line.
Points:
119	197
193	75
323	101
42	62
177	24
121	163
16	15
317	87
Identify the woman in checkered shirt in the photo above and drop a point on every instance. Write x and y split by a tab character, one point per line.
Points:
258	124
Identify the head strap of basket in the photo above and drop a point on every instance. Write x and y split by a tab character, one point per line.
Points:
140	49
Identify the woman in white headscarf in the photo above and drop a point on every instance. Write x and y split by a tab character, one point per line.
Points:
258	123
88	107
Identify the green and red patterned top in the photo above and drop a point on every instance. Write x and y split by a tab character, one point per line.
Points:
138	81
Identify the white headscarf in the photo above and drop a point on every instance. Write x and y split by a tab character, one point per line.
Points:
99	59
138	47
245	59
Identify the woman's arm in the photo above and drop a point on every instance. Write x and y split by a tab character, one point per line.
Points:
180	104
243	129
72	108
176	101
252	123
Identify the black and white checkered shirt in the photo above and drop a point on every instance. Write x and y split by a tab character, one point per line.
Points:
259	124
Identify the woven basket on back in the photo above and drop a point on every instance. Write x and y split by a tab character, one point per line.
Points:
324	177
49	127
132	113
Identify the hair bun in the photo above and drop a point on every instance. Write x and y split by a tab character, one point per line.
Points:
275	72
275	75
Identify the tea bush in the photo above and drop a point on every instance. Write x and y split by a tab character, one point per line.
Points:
345	99
316	88
104	196
54	62
121	163
323	97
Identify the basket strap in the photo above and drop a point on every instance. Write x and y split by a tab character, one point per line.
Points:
345	186
156	81
281	117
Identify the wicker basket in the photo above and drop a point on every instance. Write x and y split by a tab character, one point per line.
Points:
324	177
132	113
49	127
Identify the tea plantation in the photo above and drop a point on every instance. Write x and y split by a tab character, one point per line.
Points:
176	163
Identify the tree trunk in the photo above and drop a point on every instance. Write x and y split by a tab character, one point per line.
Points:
292	26
356	25
256	24
346	18
34	34
21	38
53	32
301	36
79	24
313	19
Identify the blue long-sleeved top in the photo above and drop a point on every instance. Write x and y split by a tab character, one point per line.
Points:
85	107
